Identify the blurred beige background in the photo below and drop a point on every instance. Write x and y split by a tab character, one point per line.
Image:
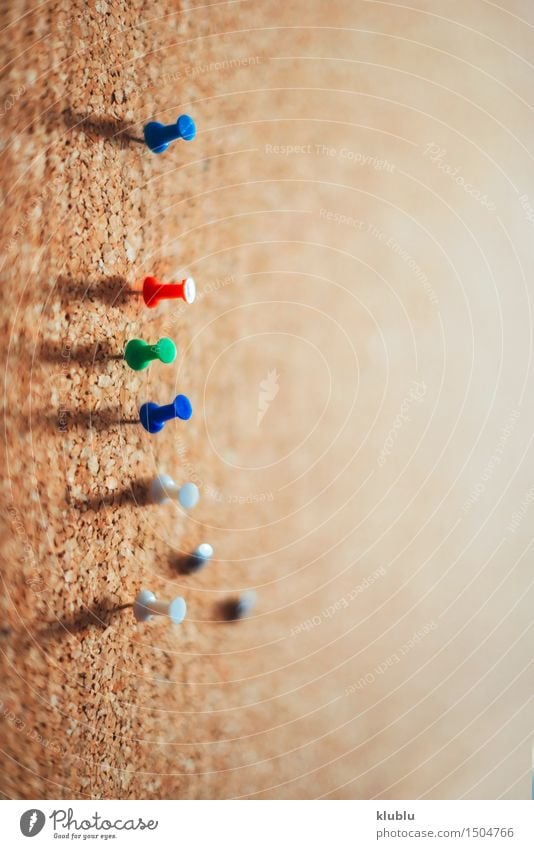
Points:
357	211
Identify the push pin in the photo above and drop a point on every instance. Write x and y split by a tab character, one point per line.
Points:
154	291
245	604
163	488
153	417
199	557
238	608
139	354
159	136
146	606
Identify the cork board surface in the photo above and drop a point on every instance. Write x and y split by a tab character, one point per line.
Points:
357	213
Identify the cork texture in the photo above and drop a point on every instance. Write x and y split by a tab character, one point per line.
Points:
357	211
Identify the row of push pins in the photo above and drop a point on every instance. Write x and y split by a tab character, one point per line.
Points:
146	606
139	355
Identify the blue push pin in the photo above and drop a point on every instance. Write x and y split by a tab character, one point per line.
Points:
159	136
153	417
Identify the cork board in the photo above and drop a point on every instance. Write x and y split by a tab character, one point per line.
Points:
357	213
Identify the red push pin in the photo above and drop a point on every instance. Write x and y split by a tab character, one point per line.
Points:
154	291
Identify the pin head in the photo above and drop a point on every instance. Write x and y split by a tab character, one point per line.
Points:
177	610
161	489
186	127
204	550
188	496
199	557
165	350
190	290
182	407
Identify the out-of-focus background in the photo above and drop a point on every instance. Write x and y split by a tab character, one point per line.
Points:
357	210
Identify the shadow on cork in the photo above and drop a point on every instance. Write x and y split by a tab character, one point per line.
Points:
93	354
106	127
136	494
112	291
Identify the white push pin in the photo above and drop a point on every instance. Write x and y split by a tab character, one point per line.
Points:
200	556
164	488
245	604
146	606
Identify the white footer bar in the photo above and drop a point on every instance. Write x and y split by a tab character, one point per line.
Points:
268	824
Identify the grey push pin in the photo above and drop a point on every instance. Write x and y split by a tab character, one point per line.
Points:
147	606
163	488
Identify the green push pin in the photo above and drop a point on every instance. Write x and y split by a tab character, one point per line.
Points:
139	354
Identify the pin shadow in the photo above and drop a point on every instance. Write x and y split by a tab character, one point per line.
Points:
91	354
229	610
112	291
137	494
98	617
234	608
115	130
63	420
186	564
